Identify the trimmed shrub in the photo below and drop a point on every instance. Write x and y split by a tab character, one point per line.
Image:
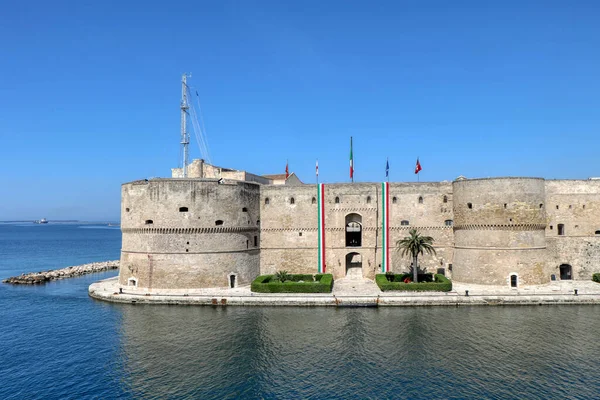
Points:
321	283
596	277
437	283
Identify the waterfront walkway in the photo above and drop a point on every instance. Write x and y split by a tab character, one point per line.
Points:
357	293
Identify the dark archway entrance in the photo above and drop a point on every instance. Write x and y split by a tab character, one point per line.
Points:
566	272
232	281
354	265
353	230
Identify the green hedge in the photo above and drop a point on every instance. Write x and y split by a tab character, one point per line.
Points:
596	277
320	283
441	284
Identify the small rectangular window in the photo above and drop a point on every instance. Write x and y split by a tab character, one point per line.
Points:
561	229
255	241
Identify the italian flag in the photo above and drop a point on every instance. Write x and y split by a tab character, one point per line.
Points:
385	227
321	228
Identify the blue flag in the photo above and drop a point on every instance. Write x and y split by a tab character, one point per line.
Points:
387	168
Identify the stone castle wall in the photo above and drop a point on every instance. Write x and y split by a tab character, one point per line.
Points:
499	230
184	233
289	231
484	230
576	206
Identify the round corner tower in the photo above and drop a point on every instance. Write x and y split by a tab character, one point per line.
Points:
499	231
189	233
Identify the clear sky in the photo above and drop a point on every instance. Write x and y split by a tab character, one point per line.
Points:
90	90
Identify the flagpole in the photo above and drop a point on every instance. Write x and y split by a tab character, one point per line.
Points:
351	161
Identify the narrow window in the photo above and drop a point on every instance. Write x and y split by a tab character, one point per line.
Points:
513	281
183	209
448	222
266	200
247	244
557	206
584	206
570	206
232	281
258	222
445	199
420	199
314	201
541	205
292	201
551	227
255	241
337	200
299	233
394	200
368	199
149	222
469	205
219	222
127	209
244	209
504	205
404	223
561	229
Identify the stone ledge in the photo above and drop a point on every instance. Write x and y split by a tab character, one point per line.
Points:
108	290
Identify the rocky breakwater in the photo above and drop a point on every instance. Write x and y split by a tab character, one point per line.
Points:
69	272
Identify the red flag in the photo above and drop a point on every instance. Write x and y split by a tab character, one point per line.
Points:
287	170
418	167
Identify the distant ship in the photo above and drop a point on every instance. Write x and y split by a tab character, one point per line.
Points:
41	221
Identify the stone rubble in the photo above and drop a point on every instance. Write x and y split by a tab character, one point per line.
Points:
68	272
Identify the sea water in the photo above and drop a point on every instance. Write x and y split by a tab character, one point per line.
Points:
58	343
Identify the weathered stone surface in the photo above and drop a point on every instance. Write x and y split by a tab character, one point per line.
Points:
68	272
201	233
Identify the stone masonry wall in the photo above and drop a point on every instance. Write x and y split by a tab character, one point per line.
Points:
575	204
499	231
189	233
289	234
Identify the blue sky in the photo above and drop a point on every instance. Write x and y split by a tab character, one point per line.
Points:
89	92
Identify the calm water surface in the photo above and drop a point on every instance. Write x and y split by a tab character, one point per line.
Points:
57	343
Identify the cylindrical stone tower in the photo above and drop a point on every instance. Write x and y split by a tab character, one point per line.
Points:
499	233
189	233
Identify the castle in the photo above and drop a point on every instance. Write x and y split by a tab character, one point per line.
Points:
221	228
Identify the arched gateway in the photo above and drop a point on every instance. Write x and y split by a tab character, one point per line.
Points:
354	265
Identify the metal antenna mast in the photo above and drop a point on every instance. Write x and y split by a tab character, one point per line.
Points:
185	137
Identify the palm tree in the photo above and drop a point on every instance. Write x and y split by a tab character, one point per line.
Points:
414	245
